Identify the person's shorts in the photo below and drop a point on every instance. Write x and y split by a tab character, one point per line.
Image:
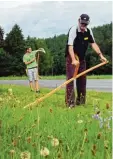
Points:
32	74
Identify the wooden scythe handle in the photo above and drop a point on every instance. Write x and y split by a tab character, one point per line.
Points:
65	83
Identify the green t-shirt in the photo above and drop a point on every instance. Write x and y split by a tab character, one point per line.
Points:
28	57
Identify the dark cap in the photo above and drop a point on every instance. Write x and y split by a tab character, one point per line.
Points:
84	18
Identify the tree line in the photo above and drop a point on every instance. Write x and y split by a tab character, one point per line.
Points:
12	49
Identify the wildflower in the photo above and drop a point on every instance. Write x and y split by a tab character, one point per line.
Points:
106	142
49	137
19	137
1	99
80	121
34	144
25	155
14	142
95	116
29	139
12	152
18	101
44	152
94	147
99	135
93	150
55	142
10	91
86	140
50	110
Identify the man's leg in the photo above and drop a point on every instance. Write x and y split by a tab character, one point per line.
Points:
31	85
81	85
70	94
37	86
36	80
29	73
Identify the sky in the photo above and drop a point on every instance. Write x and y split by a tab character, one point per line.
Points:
43	19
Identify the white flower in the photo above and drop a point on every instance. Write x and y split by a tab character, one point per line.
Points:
55	142
25	155
44	152
80	121
95	116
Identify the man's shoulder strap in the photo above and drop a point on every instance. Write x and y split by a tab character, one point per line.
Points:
76	30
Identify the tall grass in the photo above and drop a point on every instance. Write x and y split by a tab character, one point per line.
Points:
51	129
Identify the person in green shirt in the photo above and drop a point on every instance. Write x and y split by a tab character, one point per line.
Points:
29	59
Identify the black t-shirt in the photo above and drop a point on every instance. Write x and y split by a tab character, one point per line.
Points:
79	41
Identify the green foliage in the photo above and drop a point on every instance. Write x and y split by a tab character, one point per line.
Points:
1	37
14	48
14	42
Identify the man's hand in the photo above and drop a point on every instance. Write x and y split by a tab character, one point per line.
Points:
33	60
75	62
27	63
102	58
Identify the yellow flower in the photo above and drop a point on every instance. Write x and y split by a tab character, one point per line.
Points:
80	121
25	155
18	101
55	142
10	91
1	99
12	152
44	152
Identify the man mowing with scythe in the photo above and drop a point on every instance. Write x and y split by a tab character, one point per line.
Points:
31	60
78	39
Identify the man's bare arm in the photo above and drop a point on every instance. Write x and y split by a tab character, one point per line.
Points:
30	61
96	48
71	52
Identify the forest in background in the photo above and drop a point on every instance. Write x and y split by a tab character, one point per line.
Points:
12	49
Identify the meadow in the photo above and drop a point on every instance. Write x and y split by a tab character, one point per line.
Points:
50	129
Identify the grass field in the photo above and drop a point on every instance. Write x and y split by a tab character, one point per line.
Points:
55	77
51	129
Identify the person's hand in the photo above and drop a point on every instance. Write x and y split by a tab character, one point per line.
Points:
103	59
75	62
33	60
